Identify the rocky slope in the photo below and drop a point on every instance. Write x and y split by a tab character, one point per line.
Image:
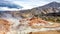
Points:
53	7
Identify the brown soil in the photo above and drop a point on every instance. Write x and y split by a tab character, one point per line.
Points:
46	32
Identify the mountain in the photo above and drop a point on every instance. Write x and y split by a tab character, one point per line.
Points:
52	4
50	9
53	7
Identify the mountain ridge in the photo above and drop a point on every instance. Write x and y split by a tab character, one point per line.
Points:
48	8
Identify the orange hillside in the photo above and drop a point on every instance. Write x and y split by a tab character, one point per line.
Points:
36	20
4	26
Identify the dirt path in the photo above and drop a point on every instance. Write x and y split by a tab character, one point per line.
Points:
46	32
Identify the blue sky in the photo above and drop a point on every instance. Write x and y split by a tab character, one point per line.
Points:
28	4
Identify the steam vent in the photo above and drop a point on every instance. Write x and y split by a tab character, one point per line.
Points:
29	17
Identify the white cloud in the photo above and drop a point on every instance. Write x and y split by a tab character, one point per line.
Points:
8	9
28	4
25	5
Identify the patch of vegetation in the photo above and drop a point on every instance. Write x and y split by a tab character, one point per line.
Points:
49	18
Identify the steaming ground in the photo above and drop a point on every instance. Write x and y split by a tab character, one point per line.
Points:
18	28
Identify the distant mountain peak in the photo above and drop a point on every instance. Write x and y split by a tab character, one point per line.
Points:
52	4
56	1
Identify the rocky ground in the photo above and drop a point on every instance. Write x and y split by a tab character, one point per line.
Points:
28	26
